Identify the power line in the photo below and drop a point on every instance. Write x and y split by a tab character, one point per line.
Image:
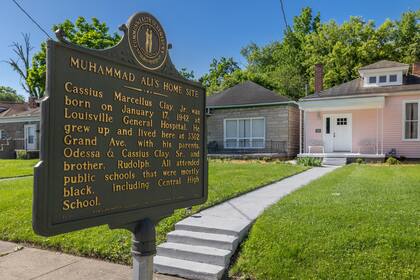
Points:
284	15
31	18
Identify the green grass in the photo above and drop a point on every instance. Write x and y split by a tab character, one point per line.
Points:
16	167
359	222
226	180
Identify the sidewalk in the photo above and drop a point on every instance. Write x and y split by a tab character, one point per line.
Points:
25	263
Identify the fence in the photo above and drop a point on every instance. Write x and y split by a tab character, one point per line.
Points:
246	146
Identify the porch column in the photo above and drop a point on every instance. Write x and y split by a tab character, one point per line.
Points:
377	130
382	132
300	131
305	126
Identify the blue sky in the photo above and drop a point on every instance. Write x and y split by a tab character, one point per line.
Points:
199	30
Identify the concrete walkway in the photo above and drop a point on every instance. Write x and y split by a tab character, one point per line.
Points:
201	246
15	178
25	263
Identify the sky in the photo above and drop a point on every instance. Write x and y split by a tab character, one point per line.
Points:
199	30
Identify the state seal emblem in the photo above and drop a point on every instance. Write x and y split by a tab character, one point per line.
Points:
147	41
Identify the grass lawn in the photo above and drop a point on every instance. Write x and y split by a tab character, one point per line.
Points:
16	167
226	180
359	222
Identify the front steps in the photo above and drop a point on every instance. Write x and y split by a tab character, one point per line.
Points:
334	161
196	252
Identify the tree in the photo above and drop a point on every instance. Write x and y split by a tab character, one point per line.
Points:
219	69
93	35
189	75
10	94
21	64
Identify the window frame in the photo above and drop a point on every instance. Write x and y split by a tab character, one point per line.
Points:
387	82
238	138
389	78
386	79
372	83
404	121
327	125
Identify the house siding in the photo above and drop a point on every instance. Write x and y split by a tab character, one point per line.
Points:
393	127
364	129
278	120
15	133
293	143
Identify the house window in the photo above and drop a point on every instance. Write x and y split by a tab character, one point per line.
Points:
327	125
411	121
392	78
382	79
372	80
245	133
341	121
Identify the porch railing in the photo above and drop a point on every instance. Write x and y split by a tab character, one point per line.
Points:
246	146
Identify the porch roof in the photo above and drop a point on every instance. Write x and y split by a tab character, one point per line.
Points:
342	104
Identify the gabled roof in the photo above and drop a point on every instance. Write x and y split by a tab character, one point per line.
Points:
18	110
355	88
383	64
4	105
246	93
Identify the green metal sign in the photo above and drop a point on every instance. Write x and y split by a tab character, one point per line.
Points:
123	134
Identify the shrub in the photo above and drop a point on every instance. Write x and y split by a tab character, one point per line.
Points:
392	161
21	154
360	161
309	161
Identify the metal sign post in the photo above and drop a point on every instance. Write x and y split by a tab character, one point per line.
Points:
143	249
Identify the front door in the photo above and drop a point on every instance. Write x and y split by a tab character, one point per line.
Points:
30	137
337	133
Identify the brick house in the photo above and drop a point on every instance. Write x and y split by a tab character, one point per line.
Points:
19	128
250	119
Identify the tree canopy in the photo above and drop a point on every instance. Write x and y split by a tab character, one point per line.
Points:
10	94
94	35
288	66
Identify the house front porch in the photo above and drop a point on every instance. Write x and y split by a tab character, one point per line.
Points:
342	128
349	156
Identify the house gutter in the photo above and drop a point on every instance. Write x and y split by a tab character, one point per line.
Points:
15	119
365	95
253	105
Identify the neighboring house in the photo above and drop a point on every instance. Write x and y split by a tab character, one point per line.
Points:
19	128
250	119
372	116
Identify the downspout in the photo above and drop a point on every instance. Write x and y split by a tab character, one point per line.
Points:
300	131
382	142
377	131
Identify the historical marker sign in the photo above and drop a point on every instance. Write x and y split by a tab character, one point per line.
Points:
123	134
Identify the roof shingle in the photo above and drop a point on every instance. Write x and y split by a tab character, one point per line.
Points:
246	93
355	87
383	64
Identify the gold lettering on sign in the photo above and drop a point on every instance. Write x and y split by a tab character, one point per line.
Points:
126	133
103	70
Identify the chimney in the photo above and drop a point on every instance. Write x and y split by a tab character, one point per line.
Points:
319	77
416	68
32	102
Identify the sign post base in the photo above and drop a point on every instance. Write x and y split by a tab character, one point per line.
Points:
143	249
